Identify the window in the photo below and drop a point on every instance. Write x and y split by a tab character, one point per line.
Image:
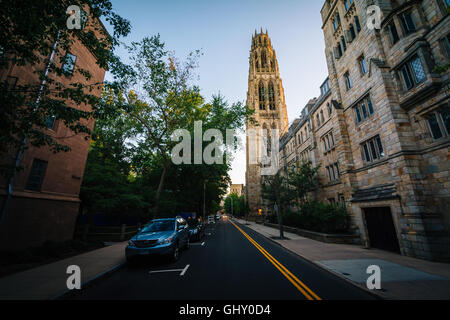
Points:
362	65
69	64
330	109
352	32
322	118
357	24
328	142
372	150
325	88
417	68
262	102
318	121
408	23
393	33
445	46
407	78
344	44
12	82
271	96
50	122
348	81
347	4
439	123
37	174
364	109
333	172
413	73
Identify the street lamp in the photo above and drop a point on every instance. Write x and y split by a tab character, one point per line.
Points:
204	199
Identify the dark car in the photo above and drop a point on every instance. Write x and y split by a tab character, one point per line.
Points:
162	237
196	229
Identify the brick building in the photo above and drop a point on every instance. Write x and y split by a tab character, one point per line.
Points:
380	129
45	201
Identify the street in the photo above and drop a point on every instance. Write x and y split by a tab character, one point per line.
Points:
231	263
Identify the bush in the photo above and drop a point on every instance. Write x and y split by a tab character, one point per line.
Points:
318	216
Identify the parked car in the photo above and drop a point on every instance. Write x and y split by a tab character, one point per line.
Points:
161	237
196	229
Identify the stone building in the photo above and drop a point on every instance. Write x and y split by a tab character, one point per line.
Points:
380	129
45	201
266	96
237	189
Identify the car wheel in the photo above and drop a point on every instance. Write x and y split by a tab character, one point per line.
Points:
176	253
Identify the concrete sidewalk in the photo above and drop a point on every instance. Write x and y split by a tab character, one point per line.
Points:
49	281
402	277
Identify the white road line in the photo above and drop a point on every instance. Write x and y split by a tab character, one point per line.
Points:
166	271
184	271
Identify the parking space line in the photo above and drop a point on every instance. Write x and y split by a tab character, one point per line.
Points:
184	270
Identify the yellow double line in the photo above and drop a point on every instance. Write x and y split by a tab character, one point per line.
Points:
308	293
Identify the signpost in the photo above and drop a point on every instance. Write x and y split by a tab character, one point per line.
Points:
280	221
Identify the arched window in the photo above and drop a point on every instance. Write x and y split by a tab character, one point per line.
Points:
262	100
271	96
263	59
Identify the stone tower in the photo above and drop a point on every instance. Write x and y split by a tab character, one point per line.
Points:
266	96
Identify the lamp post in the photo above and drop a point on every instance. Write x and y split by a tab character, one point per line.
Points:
204	199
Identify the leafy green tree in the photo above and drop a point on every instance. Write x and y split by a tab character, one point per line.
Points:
275	189
35	34
158	97
303	180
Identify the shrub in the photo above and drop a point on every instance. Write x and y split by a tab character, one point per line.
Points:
318	216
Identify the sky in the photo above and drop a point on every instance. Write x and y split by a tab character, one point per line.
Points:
223	31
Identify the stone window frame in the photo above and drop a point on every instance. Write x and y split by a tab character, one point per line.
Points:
444	44
358	110
406	67
328	142
363	68
405	24
437	113
371	146
348	80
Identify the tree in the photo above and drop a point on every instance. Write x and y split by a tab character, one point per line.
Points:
40	42
236	205
303	179
275	189
157	96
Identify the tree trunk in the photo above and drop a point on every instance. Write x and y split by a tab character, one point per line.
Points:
159	191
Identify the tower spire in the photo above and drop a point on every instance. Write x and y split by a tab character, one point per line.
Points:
266	97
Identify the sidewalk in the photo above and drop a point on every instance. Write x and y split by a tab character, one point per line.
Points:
402	278
49	281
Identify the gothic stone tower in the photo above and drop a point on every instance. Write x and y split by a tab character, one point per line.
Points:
266	96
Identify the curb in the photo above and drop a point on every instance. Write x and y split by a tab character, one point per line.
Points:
355	284
89	282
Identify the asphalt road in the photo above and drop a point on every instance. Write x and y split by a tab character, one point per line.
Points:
235	263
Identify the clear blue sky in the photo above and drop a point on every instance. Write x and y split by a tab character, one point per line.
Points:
223	31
